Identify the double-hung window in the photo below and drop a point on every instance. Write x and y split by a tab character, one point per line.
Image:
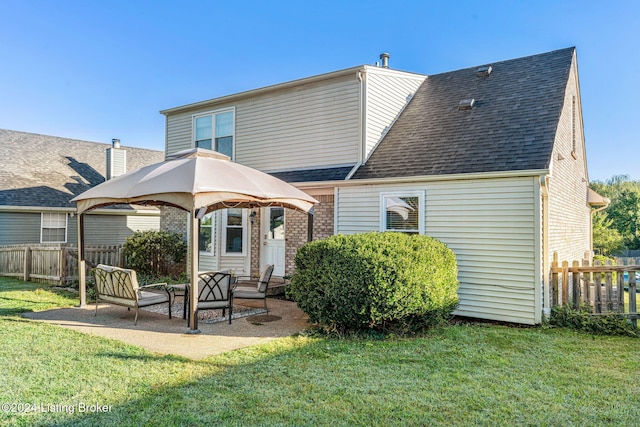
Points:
402	212
207	234
53	227
234	231
215	131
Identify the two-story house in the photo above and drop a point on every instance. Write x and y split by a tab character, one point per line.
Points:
489	159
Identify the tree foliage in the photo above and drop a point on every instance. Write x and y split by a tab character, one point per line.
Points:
618	227
607	240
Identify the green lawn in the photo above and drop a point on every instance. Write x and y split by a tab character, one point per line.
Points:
457	376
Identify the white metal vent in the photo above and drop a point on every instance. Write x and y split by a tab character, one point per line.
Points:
483	71
466	104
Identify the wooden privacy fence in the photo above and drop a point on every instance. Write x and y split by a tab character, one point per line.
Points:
54	264
601	286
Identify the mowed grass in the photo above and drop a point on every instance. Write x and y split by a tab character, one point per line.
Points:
459	375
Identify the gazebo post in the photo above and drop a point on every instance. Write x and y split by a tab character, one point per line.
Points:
81	263
194	234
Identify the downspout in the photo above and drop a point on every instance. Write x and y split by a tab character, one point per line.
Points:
544	192
363	115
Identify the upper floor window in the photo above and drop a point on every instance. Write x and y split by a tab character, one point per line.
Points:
215	131
402	212
53	227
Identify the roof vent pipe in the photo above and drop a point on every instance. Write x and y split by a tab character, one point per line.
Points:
115	143
385	59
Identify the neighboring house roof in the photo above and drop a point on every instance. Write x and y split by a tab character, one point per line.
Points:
313	175
511	127
47	171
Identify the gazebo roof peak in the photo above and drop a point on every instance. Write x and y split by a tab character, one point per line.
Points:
197	152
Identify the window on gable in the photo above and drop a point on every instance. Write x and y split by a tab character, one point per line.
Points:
207	234
215	131
53	227
402	212
234	233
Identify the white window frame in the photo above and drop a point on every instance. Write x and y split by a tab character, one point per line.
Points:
213	114
212	252
421	209
245	234
42	227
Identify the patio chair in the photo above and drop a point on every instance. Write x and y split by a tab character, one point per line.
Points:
245	290
120	286
214	292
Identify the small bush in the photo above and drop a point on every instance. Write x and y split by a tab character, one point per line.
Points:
390	282
153	253
582	319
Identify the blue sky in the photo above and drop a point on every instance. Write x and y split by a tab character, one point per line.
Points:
102	69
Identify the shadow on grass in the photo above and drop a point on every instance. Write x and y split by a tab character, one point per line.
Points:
145	357
14	311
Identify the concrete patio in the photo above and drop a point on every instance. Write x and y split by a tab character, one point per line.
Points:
156	333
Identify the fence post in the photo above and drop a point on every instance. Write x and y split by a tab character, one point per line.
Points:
576	285
620	287
586	278
633	312
609	287
597	293
554	280
27	263
565	282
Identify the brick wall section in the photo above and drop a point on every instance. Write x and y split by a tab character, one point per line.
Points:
173	220
569	215
297	228
256	243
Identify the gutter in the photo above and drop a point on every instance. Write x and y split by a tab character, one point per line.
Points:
38	209
421	178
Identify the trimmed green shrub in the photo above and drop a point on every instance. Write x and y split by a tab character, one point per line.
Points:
153	253
583	319
390	282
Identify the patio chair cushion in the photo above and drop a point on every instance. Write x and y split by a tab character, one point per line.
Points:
247	292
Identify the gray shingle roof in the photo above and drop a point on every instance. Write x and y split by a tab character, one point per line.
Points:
511	127
313	175
47	171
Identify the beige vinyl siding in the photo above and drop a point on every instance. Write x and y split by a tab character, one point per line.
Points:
313	125
179	128
18	228
143	222
116	162
387	95
569	216
239	264
488	223
208	262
